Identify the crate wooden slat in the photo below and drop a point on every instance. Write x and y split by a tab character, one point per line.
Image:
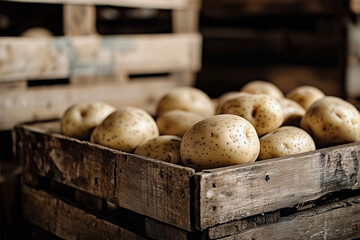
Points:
152	188
337	220
67	221
161	4
241	191
83	56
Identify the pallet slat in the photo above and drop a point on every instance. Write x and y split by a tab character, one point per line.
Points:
161	4
82	56
152	188
67	221
236	192
39	103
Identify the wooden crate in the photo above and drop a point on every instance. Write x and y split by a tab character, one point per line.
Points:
97	67
309	195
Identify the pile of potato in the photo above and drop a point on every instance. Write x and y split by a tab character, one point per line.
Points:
255	123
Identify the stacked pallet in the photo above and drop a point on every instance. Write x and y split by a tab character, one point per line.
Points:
97	67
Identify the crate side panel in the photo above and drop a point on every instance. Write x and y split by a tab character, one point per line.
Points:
155	190
338	220
67	221
240	191
152	188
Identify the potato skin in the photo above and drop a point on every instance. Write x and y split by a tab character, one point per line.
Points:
262	111
219	140
262	87
125	129
227	96
80	119
293	112
188	99
332	121
285	141
165	148
305	95
176	122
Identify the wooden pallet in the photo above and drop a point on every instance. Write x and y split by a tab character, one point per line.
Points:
97	67
314	192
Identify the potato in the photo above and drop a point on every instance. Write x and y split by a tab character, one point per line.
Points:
176	122
219	140
305	95
125	129
37	32
285	141
262	111
80	119
226	96
262	87
187	99
332	121
165	148
293	112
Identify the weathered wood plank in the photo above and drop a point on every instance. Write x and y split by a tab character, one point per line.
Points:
161	4
236	227
152	188
82	56
338	220
67	221
44	103
79	20
231	193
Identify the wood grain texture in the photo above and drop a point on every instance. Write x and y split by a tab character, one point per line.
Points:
161	4
67	221
84	56
79	20
152	188
231	193
235	227
50	102
339	220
